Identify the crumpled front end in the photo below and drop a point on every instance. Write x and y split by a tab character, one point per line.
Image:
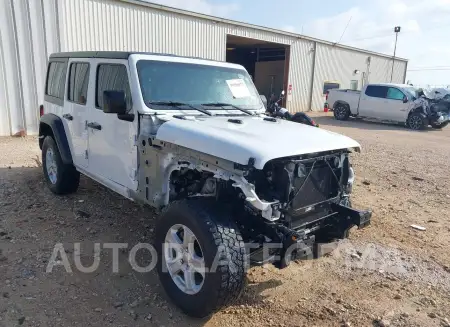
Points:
311	193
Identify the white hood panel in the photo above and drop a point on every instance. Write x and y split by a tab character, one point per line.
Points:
254	138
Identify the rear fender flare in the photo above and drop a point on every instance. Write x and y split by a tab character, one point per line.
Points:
56	126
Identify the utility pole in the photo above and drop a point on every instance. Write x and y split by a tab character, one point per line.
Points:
396	30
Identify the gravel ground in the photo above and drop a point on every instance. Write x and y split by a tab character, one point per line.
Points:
388	274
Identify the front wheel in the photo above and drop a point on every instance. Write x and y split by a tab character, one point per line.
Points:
341	111
416	121
201	256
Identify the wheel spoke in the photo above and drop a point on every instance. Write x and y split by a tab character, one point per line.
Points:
189	279
174	265
188	238
197	264
172	237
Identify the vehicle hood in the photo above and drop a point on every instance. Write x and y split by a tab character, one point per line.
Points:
254	138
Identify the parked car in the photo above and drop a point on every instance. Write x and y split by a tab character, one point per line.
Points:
387	102
188	137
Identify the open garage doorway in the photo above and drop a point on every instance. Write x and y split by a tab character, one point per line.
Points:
266	62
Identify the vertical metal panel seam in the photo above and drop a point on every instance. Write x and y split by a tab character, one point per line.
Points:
33	68
311	82
3	63
45	34
22	104
58	26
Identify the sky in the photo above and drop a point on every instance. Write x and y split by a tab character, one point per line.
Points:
424	38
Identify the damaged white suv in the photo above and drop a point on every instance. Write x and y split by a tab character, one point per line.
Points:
189	136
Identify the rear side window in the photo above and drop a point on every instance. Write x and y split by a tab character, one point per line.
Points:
112	77
56	79
376	91
78	82
395	94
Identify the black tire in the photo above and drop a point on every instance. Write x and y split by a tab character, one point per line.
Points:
216	235
341	111
67	177
416	121
439	126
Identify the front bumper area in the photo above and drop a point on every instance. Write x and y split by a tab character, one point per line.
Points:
353	217
299	243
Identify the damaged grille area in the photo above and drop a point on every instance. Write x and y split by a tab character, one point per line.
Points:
318	185
299	183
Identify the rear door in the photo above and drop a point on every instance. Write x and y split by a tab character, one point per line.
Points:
397	109
373	102
75	112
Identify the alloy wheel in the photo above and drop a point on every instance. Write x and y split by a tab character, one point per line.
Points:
184	259
51	166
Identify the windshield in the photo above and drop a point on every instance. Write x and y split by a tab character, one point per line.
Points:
195	84
411	92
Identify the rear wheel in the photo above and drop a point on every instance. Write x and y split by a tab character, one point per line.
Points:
201	256
61	178
416	121
341	111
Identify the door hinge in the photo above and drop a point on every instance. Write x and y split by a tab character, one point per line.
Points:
135	140
86	154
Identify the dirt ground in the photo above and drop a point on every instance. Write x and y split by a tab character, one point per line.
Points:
388	274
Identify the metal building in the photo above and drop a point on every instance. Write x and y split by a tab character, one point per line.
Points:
30	30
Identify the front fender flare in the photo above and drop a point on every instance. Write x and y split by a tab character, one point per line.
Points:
59	134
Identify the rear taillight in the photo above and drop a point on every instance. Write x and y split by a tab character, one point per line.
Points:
326	96
41	110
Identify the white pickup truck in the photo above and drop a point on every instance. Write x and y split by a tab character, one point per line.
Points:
387	102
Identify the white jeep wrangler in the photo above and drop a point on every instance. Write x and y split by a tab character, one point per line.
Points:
188	137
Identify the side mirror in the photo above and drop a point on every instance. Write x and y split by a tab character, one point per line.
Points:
114	102
405	99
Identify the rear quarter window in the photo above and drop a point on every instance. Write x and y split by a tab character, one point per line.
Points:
56	79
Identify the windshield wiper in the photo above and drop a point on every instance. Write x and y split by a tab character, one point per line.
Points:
179	105
220	104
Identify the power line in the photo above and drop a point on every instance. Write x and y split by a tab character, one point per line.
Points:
345	29
389	35
431	68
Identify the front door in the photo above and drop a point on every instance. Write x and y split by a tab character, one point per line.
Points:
75	109
397	109
112	150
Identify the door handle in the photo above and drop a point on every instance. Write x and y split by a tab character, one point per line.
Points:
68	116
94	126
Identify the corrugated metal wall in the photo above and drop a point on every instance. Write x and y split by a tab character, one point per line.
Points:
28	33
32	29
338	64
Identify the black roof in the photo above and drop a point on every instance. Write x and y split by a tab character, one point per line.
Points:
107	54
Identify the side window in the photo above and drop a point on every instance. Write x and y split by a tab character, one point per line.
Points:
376	91
395	94
56	79
112	77
330	85
78	82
